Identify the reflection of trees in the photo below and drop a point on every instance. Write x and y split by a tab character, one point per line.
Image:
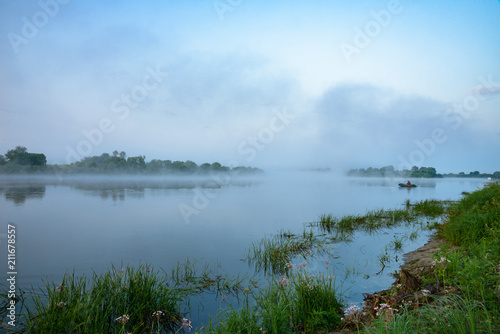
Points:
114	191
19	194
119	190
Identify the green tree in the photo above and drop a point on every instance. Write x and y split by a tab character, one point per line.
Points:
190	165
136	162
204	168
15	154
154	165
37	159
178	166
423	172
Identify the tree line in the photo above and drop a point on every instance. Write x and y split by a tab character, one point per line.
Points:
414	172
19	160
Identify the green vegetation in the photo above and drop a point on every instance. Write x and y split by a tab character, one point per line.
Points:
136	300
495	175
272	254
377	219
20	161
117	301
389	171
449	314
414	172
297	303
475	219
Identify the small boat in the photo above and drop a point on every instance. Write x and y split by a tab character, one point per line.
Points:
406	185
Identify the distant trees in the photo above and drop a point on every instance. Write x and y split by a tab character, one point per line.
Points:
118	162
426	172
420	172
476	174
21	156
381	172
20	160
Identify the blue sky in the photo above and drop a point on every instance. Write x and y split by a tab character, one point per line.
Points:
264	83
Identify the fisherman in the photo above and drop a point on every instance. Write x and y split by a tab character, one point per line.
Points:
408	183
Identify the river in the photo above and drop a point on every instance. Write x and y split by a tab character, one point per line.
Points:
87	224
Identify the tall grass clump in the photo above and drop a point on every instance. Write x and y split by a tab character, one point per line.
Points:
429	208
130	300
298	303
231	320
272	254
301	302
370	222
118	301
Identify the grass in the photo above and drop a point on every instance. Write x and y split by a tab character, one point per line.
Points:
448	314
117	301
137	300
474	218
301	302
397	243
429	208
274	254
377	219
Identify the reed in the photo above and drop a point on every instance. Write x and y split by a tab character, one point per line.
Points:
137	300
429	208
303	302
275	254
117	301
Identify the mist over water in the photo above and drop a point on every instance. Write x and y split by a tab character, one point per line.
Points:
88	224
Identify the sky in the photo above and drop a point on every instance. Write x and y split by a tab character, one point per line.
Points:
269	84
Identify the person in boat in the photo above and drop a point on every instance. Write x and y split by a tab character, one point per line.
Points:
408	183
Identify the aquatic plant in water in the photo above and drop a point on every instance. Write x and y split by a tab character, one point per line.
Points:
138	300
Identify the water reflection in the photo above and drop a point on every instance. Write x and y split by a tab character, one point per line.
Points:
18	190
121	189
19	194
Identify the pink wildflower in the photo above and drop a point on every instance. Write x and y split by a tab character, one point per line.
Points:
186	323
123	319
158	314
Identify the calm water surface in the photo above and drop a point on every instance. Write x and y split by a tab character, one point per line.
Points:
88	224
